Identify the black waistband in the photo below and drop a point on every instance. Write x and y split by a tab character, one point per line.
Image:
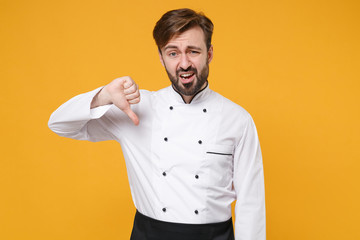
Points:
146	228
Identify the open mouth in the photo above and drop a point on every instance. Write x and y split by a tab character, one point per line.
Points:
186	77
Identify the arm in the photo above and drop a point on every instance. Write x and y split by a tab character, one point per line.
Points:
83	117
249	186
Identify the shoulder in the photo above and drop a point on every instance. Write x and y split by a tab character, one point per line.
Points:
148	93
230	108
148	96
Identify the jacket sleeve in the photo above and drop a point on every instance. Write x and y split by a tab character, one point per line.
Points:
249	186
74	119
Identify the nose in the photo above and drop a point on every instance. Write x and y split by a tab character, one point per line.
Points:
184	61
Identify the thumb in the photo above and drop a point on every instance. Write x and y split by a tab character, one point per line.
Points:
132	115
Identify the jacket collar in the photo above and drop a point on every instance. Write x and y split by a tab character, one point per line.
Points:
198	97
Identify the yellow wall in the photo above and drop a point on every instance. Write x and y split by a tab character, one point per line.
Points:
294	65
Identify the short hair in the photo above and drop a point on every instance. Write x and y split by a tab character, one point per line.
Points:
178	21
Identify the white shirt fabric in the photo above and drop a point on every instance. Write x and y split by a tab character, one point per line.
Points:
186	163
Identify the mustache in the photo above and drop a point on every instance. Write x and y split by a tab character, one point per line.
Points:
189	69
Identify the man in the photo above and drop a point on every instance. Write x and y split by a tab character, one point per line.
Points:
189	151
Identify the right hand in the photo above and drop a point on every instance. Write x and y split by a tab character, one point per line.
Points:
121	92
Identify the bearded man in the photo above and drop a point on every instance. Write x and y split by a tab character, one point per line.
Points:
189	151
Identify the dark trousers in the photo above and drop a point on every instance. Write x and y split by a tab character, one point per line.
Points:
146	228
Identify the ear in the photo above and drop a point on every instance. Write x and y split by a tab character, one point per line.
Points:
210	53
161	58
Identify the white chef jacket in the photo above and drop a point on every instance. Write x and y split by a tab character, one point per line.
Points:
186	163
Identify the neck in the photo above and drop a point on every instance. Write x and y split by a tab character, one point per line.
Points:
187	99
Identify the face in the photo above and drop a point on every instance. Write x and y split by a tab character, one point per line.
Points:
186	60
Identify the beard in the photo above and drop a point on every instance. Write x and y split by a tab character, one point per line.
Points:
191	88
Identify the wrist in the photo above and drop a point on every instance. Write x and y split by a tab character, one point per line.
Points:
100	99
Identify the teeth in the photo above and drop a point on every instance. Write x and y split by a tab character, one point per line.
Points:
186	75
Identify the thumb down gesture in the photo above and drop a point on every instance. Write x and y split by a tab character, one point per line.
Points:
121	92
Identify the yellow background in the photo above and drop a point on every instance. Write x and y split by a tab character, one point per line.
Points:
294	65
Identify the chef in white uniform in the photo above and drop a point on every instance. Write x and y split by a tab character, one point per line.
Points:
189	151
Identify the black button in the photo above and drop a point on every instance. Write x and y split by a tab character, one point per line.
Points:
197	176
200	142
164	209
204	110
165	139
164	174
196	212
171	107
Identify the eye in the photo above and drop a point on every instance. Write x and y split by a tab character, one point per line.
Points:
193	52
172	54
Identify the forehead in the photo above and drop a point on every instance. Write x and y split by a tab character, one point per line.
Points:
192	37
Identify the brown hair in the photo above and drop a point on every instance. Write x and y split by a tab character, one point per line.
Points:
178	21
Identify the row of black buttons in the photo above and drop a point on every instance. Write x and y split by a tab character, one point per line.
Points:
171	108
196	176
166	139
196	211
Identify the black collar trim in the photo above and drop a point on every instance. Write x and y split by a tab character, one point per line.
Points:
207	83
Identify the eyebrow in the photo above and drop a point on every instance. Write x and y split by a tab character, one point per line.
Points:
190	47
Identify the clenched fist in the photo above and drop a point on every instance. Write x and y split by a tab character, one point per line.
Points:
121	92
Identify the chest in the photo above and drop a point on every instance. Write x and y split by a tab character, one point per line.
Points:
184	135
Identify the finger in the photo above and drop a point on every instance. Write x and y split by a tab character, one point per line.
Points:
134	101
128	82
132	96
133	88
132	116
